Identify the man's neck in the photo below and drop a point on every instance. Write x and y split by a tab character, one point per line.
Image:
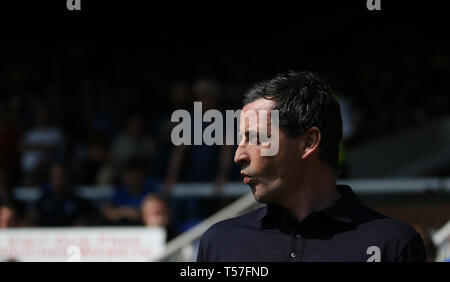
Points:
312	194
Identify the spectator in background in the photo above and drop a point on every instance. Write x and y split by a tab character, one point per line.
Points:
11	210
4	189
59	205
7	215
7	220
160	128
200	163
155	213
42	144
131	143
124	207
101	117
94	167
209	161
9	140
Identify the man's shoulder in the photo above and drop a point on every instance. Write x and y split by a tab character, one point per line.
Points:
398	240
384	225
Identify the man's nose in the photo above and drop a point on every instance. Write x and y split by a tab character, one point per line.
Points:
241	156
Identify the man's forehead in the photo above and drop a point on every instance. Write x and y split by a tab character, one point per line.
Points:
250	116
260	104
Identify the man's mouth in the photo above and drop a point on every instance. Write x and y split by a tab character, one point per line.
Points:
247	178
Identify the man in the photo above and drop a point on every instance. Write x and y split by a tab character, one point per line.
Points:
307	217
7	216
60	205
42	144
155	213
124	206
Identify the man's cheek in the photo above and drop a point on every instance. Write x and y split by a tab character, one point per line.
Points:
267	166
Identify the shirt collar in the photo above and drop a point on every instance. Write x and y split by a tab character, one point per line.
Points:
343	209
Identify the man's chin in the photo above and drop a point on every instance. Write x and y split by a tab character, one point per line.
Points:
259	195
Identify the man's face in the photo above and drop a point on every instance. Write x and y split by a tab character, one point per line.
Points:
268	176
6	217
155	213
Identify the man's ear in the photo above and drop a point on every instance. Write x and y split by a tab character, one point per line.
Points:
310	142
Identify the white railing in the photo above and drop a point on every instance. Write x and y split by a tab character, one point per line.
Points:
442	241
237	189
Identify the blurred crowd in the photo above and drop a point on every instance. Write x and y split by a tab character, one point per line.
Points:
55	144
71	119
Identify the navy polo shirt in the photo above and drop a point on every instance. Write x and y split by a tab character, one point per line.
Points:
345	231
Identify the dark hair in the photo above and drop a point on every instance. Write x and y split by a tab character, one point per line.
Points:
304	100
